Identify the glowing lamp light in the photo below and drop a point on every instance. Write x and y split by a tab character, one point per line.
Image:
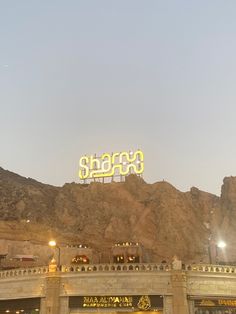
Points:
52	243
221	244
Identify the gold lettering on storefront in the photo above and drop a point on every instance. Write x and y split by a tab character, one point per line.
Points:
207	303
144	303
108	302
226	302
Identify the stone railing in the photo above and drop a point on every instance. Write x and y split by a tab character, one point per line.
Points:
209	268
23	272
141	267
116	268
86	268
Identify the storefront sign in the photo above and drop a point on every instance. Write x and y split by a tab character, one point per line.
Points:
109	165
215	303
141	302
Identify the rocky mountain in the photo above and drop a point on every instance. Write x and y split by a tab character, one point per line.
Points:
165	221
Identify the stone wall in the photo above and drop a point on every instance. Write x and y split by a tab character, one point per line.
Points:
178	287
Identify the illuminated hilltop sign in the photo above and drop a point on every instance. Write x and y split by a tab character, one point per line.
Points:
111	165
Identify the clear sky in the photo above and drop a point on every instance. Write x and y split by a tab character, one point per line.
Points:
82	77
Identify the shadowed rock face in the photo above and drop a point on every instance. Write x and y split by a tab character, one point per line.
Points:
164	220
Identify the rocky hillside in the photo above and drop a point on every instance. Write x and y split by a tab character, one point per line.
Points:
164	220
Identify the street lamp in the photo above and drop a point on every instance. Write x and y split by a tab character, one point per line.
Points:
209	250
214	246
220	245
53	243
213	250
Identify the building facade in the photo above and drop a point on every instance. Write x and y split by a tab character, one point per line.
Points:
113	288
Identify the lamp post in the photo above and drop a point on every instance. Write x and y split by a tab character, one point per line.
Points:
214	246
220	245
53	243
209	250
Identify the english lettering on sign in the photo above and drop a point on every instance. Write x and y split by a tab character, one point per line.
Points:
109	165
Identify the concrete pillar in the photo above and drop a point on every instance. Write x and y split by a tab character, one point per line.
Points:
43	309
180	303
168	305
64	305
52	289
191	306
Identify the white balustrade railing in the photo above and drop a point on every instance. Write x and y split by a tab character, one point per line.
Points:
140	267
209	268
85	268
116	267
19	272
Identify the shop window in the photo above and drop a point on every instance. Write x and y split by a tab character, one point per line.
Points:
118	259
80	259
133	259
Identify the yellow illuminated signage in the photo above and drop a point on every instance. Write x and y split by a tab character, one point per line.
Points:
111	301
109	165
216	303
122	302
226	302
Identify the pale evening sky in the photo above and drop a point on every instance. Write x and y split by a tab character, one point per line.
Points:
82	77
